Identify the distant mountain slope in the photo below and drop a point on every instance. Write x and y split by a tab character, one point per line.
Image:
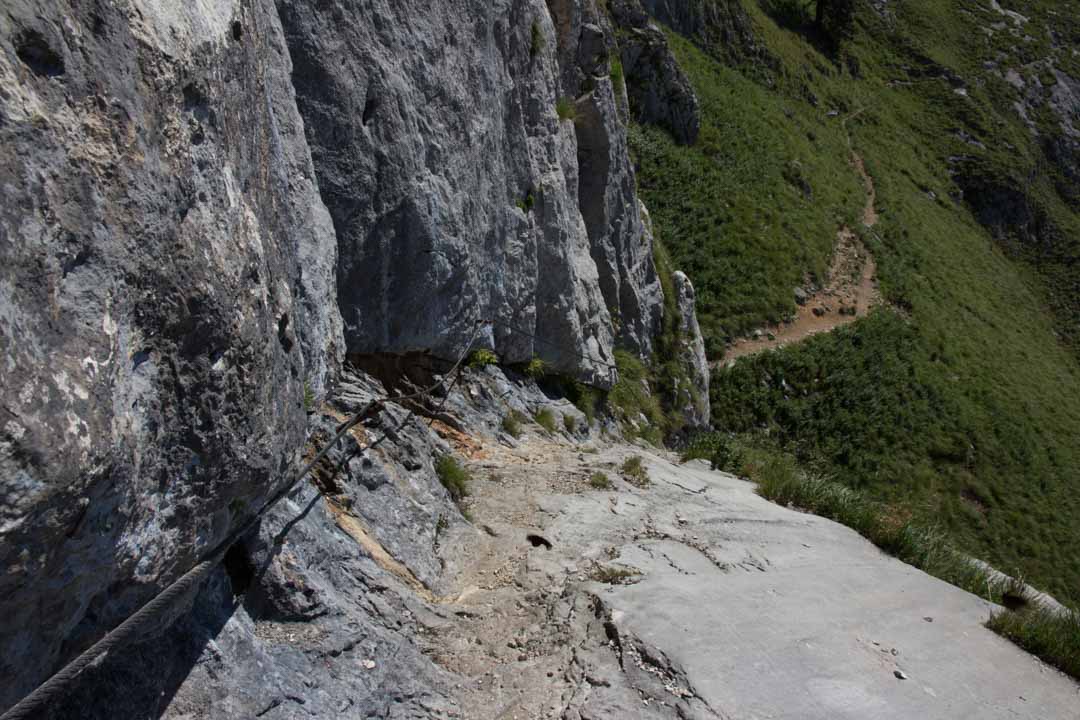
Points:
961	399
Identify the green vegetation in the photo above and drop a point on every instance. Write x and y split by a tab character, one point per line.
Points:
453	476
309	398
613	576
889	527
618	78
633	470
570	423
525	204
511	423
600	481
536	368
728	208
630	400
546	419
961	398
566	109
1051	635
482	358
536	40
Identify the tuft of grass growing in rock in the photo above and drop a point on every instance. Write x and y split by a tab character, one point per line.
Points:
889	527
536	43
536	368
1051	635
570	423
614	576
511	423
633	469
482	358
546	419
600	481
309	398
566	109
453	476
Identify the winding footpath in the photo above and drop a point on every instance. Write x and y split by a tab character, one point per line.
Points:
851	292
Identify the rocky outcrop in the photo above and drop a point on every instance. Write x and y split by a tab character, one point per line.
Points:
722	27
693	400
166	296
658	90
620	242
455	185
208	207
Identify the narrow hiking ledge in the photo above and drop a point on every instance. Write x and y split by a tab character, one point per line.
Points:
759	610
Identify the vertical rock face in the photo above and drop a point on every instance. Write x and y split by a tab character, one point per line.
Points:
620	241
694	401
658	91
454	184
166	293
208	204
721	26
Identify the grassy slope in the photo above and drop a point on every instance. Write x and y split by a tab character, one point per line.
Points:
964	405
731	209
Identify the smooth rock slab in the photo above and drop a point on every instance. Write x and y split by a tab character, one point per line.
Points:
774	613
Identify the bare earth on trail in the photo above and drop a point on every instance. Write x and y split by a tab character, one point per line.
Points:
851	291
692	598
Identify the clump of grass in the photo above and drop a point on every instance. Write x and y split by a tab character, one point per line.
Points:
526	204
633	469
453	476
618	78
511	423
309	398
536	368
889	527
483	358
570	423
614	576
718	448
1052	635
600	481
585	398
536	41
566	109
546	419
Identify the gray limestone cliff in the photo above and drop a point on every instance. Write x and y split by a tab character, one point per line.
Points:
208	207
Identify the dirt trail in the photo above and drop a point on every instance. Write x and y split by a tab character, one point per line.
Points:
850	293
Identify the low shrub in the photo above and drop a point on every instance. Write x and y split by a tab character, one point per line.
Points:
1052	635
536	368
600	481
482	358
570	423
566	109
633	469
546	419
511	423
453	476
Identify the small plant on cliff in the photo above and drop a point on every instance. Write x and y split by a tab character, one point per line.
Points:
309	398
536	368
454	477
526	204
633	469
618	78
566	109
546	419
511	423
600	481
483	358
569	422
537	42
